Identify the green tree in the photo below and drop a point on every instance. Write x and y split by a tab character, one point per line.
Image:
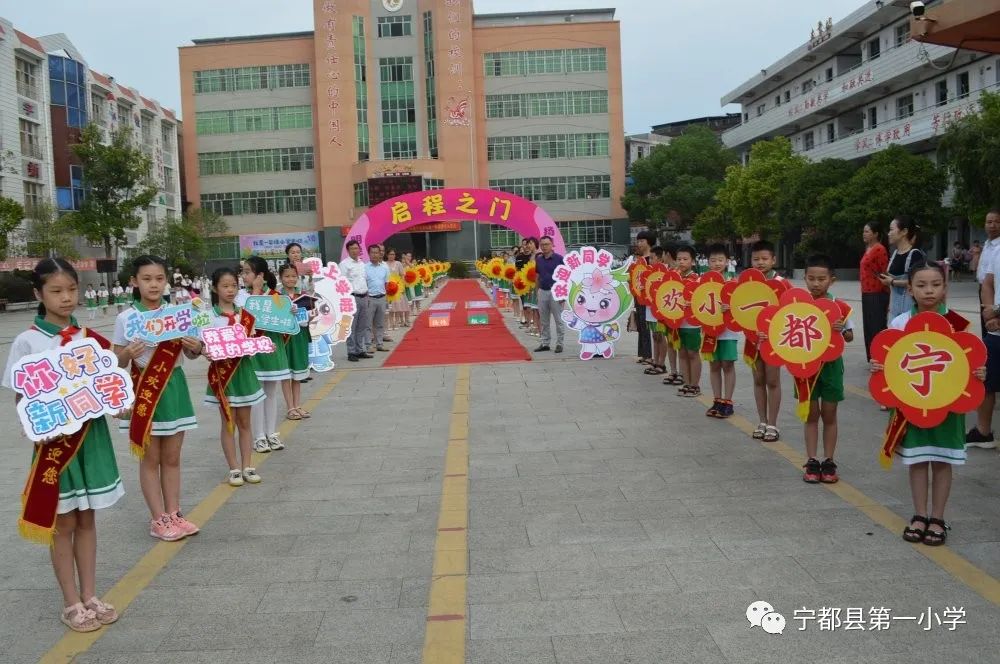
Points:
713	224
118	185
804	210
677	180
751	194
183	241
970	152
46	234
11	214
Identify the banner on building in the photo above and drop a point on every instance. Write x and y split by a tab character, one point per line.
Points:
272	245
28	264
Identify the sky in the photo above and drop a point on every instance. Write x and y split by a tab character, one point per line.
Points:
678	56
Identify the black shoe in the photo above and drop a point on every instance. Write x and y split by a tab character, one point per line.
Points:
366	356
542	347
975	438
558	348
350	358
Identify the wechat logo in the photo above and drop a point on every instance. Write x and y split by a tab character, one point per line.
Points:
761	614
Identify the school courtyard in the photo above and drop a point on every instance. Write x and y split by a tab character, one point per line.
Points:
544	512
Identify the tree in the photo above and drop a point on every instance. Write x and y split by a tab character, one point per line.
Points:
677	180
970	152
183	241
803	209
751	194
117	186
11	214
46	234
713	224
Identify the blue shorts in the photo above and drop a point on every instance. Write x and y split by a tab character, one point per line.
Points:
992	382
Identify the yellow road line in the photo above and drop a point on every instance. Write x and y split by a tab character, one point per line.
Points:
150	565
444	642
945	558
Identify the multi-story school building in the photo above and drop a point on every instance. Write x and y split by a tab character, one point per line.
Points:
48	94
860	84
302	132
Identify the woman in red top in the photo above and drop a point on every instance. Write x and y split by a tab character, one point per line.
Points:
874	294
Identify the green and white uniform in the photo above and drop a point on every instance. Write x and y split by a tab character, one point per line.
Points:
174	411
90	295
244	387
102	297
297	350
90	481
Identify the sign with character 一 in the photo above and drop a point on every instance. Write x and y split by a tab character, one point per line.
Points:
64	387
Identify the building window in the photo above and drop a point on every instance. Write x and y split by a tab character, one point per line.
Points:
874	48
536	104
239	162
555	61
34	194
904	106
831	133
68	85
395	26
502	237
902	33
761	109
399	115
169	184
260	202
809	141
31	144
638	152
429	92
546	146
26	74
829	74
807	86
433	183
361	86
167	137
147	130
267	77
941	93
962	85
872	117
560	188
361	194
97	108
788	96
223	248
592	232
253	119
777	100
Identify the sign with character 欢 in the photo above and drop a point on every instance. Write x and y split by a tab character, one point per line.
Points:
62	388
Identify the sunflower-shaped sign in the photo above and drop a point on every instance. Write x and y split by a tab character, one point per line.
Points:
636	280
798	333
495	268
667	302
531	273
704	303
410	277
509	272
426	276
747	296
520	284
929	370
393	288
651	278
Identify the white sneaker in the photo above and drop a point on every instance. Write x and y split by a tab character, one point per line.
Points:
235	478
260	445
275	442
250	475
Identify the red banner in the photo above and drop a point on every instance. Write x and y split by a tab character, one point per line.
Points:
29	263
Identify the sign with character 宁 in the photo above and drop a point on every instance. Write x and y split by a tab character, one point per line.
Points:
63	388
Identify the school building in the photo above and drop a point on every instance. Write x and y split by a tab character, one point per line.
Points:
302	132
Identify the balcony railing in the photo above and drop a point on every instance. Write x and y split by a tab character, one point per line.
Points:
926	124
863	77
27	90
32	150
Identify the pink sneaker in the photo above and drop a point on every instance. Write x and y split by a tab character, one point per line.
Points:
164	529
184	525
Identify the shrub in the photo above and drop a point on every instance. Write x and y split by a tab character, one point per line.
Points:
458	270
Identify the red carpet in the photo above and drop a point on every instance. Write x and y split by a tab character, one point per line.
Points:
459	343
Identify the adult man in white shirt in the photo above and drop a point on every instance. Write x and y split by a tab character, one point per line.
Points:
981	435
354	269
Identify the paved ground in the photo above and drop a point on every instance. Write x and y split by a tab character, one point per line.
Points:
608	522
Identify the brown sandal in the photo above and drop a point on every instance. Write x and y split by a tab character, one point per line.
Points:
79	618
293	414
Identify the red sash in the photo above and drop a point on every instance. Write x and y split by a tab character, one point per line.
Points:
898	425
708	346
40	499
150	384
750	348
220	372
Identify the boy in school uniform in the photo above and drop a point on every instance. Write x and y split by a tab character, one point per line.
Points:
657	330
829	388
689	353
722	366
766	378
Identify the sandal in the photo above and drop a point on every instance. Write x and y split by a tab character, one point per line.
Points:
714	410
940	537
771	434
693	391
79	618
915	535
683	390
303	413
656	370
758	433
644	360
673	379
104	612
292	414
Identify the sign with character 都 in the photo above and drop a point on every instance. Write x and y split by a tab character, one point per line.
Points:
62	388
